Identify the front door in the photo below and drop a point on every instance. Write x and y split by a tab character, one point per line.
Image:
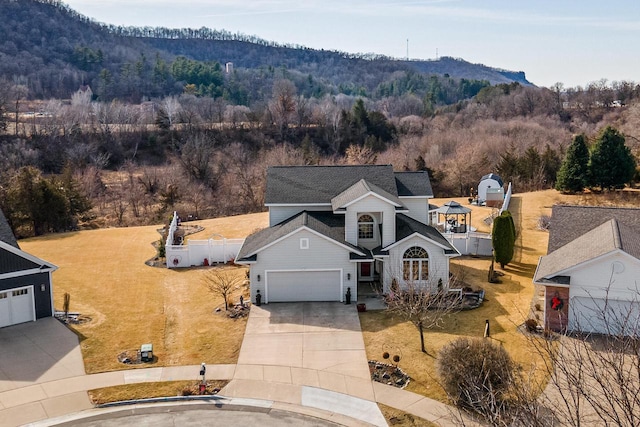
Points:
366	273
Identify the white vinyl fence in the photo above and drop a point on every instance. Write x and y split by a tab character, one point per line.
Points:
199	252
471	243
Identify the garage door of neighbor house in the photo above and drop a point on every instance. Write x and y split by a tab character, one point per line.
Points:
16	306
287	286
588	315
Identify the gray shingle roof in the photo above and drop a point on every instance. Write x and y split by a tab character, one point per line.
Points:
494	177
319	184
406	226
413	184
602	240
325	223
570	222
358	190
6	234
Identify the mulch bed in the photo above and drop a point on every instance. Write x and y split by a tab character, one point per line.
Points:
132	357
72	318
388	374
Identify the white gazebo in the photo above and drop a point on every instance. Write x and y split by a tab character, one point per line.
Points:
457	218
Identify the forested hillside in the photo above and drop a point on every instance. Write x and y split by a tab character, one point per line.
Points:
52	50
103	126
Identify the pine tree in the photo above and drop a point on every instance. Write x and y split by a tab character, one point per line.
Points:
572	176
503	238
611	165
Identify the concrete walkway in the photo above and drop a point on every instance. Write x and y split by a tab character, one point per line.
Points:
304	372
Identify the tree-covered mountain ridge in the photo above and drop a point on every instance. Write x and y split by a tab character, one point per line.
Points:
52	49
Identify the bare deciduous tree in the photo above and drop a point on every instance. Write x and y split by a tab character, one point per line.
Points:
223	282
426	306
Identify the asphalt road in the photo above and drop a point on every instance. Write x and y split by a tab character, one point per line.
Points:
205	417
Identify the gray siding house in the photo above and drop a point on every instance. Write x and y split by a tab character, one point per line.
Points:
26	293
339	227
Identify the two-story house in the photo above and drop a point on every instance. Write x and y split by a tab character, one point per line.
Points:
334	227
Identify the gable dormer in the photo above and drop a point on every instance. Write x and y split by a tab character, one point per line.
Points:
370	214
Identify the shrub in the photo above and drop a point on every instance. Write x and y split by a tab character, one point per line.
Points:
544	222
531	325
476	374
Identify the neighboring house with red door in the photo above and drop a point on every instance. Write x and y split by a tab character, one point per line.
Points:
26	293
591	270
338	227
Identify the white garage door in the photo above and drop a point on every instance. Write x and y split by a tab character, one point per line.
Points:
16	306
288	286
600	316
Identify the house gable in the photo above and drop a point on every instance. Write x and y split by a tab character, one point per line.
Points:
361	190
326	225
606	238
15	262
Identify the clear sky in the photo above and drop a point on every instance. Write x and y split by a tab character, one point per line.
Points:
570	41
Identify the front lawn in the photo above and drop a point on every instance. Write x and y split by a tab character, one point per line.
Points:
130	303
507	304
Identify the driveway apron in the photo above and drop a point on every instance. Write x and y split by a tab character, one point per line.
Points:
38	352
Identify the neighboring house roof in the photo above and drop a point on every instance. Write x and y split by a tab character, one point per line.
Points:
413	184
300	185
606	238
6	235
359	190
325	223
494	177
407	226
15	262
570	222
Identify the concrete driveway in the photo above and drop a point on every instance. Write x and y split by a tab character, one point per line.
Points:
310	355
37	352
322	336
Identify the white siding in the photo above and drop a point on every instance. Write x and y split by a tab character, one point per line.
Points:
611	279
371	205
593	279
322	254
277	214
418	208
438	262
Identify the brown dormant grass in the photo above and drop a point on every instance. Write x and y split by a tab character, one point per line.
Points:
131	304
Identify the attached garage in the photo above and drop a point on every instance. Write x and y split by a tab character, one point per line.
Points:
26	293
316	285
604	316
17	306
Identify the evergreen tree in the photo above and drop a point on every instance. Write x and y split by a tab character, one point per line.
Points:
503	238
611	165
572	176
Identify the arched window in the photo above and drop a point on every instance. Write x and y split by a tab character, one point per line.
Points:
365	227
415	264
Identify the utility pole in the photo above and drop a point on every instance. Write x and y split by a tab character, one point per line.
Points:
407	49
